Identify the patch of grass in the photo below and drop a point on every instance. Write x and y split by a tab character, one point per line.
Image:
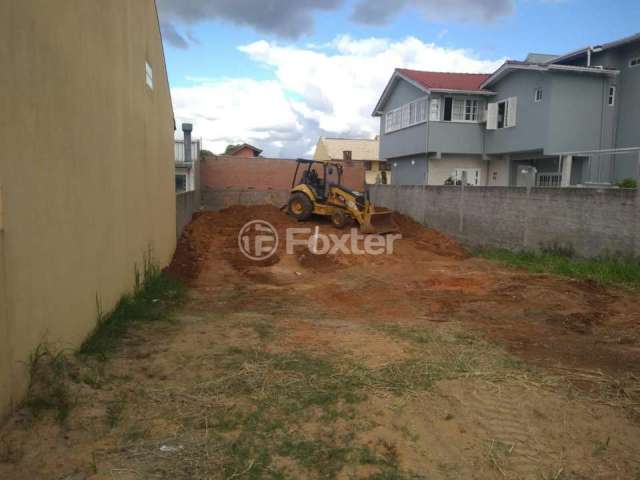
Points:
267	399
512	363
263	328
49	374
611	271
601	447
409	375
420	336
115	410
134	434
154	295
94	377
327	459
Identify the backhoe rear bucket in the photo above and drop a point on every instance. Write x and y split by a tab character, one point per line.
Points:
380	221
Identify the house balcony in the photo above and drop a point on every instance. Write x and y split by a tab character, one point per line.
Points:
549	180
179	154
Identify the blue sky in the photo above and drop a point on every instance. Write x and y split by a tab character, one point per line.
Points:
210	62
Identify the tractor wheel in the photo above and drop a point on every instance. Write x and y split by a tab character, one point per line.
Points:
339	218
300	206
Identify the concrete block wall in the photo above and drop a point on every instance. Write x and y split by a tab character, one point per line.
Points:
187	203
592	222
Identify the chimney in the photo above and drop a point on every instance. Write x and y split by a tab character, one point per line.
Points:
186	130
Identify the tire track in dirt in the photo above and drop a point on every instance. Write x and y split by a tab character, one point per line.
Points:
504	421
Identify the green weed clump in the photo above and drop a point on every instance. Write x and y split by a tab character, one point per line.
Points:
154	296
608	271
628	183
48	383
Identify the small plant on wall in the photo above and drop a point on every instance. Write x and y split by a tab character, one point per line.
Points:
627	183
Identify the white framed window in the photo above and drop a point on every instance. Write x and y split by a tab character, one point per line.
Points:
393	120
434	110
406	116
461	109
612	96
471	108
148	75
634	62
537	95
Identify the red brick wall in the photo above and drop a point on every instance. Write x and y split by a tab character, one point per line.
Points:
221	172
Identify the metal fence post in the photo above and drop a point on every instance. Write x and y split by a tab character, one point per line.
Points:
461	208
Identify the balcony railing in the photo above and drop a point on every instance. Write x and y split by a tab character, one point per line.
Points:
178	149
549	180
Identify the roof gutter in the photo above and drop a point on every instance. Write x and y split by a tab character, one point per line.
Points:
606	46
507	68
465	92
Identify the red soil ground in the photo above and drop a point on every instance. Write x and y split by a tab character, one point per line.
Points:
549	320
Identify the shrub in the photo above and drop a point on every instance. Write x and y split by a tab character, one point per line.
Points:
628	183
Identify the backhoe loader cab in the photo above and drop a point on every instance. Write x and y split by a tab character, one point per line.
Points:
317	189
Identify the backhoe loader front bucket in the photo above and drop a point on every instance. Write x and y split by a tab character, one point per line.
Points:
379	221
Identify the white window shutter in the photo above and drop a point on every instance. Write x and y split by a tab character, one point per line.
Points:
492	116
482	115
512	111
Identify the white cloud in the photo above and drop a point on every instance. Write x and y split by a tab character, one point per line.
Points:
234	110
329	89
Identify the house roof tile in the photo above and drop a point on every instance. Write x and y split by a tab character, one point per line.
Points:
446	80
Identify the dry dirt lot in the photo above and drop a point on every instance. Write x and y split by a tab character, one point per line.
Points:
427	364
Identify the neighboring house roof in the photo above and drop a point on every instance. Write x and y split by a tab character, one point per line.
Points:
513	65
360	148
241	146
468	82
540	58
435	82
599	48
478	83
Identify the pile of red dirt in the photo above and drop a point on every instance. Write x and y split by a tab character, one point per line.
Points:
190	254
216	233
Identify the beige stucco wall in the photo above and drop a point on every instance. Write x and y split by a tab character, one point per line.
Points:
86	168
442	168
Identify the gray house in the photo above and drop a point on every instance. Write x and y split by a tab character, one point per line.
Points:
531	116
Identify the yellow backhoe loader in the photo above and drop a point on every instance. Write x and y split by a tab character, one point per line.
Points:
313	192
